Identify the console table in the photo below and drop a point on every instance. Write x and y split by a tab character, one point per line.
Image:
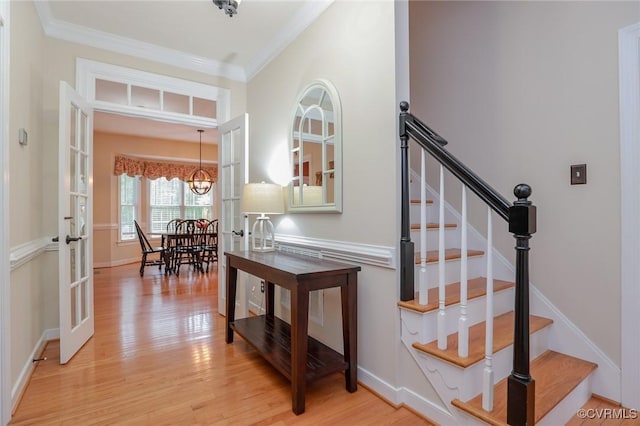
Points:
288	348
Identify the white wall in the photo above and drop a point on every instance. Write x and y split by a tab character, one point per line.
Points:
352	45
522	90
26	192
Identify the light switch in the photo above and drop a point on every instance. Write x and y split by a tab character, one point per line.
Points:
578	174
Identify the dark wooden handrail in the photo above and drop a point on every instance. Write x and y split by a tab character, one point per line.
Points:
521	217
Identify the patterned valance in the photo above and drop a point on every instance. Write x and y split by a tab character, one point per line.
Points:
132	166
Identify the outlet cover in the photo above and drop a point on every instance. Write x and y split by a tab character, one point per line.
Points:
578	174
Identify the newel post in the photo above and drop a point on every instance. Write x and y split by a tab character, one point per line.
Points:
407	259
521	387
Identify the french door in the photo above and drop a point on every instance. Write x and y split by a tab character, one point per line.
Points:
75	222
232	228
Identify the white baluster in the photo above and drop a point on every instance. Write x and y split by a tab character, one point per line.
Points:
424	287
463	325
487	382
442	334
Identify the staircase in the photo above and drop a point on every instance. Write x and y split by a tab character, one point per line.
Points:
471	378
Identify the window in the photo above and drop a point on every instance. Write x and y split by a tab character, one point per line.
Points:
129	202
170	199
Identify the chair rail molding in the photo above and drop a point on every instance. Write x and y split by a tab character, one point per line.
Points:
382	256
28	251
629	78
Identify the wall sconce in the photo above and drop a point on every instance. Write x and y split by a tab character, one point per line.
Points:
262	199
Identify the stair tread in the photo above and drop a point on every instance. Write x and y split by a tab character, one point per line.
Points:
431	225
476	287
449	254
555	375
502	337
416	201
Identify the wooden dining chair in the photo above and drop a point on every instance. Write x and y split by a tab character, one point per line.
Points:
147	249
188	245
210	243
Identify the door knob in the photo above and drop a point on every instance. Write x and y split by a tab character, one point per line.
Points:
238	233
69	239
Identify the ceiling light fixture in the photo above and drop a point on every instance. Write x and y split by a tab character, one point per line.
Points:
200	181
230	6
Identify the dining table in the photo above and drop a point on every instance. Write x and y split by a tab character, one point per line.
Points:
187	248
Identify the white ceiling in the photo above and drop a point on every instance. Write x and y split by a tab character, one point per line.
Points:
192	34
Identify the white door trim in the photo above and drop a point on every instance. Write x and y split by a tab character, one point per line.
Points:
5	293
629	73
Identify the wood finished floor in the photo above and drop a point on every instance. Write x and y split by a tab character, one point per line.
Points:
158	357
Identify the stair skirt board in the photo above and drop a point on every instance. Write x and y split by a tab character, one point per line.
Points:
425	325
465	383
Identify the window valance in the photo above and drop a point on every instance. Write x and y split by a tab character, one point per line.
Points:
132	166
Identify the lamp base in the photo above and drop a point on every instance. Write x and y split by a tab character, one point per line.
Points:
262	231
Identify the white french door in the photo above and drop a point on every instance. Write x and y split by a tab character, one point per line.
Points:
75	222
233	154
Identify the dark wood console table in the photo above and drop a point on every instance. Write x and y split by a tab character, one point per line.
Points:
288	348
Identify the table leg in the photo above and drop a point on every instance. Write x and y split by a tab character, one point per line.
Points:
349	298
270	297
232	275
299	331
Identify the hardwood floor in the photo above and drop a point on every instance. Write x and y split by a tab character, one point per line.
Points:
158	357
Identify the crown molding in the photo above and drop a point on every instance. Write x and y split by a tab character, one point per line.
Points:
305	17
102	40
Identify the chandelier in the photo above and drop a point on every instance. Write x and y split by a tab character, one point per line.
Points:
200	181
230	6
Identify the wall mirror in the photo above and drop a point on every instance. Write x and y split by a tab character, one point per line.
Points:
316	150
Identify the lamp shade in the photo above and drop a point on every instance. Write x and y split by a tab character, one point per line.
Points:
262	198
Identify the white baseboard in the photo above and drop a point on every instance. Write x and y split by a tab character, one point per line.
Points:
23	379
404	396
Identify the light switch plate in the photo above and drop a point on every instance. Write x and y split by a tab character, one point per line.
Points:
578	174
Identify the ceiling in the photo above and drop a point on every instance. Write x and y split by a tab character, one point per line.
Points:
191	34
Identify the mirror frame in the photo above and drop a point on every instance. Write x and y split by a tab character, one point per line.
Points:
336	206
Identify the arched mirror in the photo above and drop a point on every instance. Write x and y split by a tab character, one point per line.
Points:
316	150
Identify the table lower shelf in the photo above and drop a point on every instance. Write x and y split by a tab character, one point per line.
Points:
271	336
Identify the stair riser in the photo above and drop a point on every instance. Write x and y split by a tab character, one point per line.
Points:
432	213
451	238
465	383
476	266
569	406
502	303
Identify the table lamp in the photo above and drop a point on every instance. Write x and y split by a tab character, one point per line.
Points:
262	199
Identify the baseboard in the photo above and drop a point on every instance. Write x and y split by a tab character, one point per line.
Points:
120	262
29	366
403	396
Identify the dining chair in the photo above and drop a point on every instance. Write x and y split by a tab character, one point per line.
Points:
210	243
187	245
147	249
